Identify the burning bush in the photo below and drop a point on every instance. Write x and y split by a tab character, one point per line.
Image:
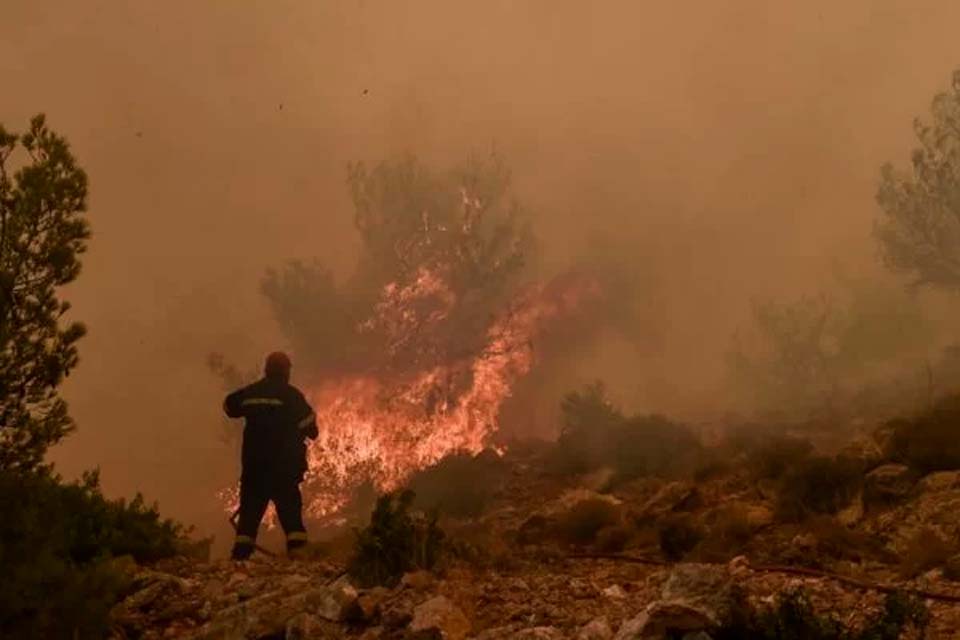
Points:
395	542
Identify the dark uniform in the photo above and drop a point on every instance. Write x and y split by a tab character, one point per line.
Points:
278	419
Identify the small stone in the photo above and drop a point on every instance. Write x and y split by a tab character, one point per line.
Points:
615	592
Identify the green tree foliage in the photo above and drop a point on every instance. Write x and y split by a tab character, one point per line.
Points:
56	545
919	231
396	541
42	233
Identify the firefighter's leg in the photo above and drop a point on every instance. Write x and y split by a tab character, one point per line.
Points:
254	496
289	505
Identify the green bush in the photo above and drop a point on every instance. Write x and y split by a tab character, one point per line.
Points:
458	485
818	485
395	542
793	618
56	541
929	442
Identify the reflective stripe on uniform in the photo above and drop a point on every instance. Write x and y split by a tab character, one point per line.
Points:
272	402
297	536
309	420
242	539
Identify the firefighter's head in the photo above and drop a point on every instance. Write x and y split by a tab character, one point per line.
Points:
277	366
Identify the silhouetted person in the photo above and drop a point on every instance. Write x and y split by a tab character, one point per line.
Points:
274	456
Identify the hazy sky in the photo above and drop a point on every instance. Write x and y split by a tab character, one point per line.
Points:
730	148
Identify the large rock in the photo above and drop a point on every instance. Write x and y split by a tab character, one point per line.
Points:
704	585
335	602
887	484
441	614
665	619
695	597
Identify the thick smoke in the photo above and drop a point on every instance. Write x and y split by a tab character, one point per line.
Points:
708	155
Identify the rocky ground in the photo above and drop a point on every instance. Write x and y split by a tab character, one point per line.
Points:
514	577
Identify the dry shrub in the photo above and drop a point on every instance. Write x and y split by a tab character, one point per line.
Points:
930	441
678	535
596	434
817	485
614	538
925	551
584	520
727	535
458	485
836	542
771	457
951	569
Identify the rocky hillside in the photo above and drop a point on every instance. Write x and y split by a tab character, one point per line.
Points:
759	540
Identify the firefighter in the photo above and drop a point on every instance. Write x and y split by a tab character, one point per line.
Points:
274	454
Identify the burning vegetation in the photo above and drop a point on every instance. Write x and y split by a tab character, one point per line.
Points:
412	359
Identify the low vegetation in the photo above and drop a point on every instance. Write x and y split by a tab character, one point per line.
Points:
596	434
927	442
57	546
792	617
451	486
396	541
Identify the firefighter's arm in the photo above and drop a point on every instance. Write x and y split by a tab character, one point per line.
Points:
307	422
233	404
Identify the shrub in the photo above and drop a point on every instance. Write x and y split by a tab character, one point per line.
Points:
772	456
793	618
652	445
458	485
394	542
925	551
56	541
584	520
817	485
678	535
597	434
589	420
729	532
931	441
614	538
